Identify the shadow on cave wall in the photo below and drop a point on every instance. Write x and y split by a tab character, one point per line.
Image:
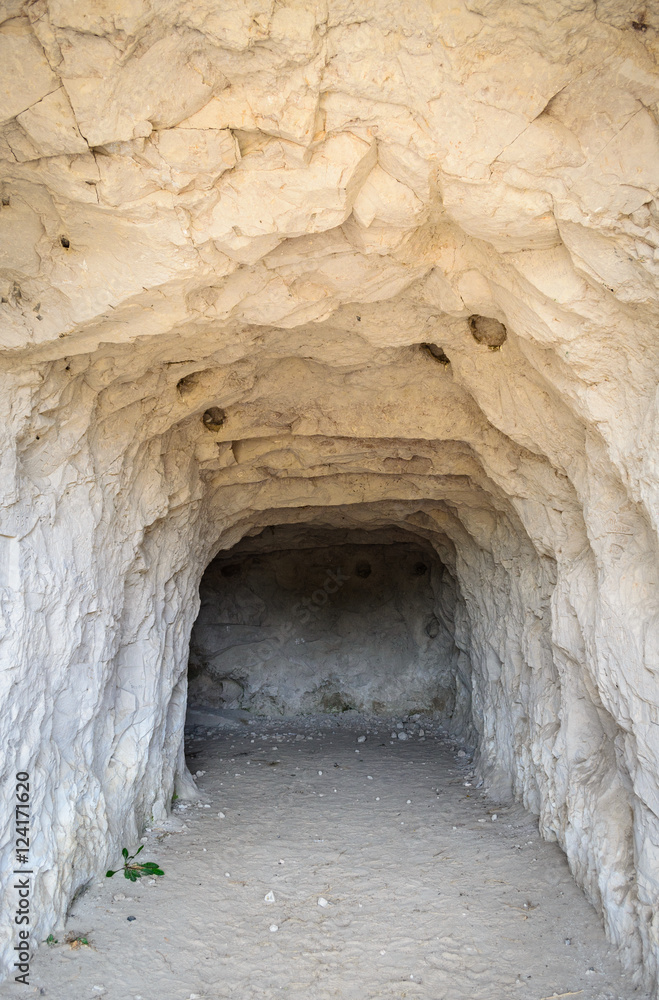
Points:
328	628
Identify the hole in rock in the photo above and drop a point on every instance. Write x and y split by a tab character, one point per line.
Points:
437	353
214	417
489	331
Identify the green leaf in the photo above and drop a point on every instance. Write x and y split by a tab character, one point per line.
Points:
124	852
109	873
140	848
130	875
151	868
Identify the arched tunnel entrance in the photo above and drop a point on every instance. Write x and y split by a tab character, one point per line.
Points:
356	838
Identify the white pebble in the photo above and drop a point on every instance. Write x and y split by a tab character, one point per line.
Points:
402	736
274	927
269	897
199	774
461	753
494	816
322	901
361	739
320	772
221	816
227	875
409	802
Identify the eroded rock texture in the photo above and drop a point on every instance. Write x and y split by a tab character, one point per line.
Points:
227	231
363	621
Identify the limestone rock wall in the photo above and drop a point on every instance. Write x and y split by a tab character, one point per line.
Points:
327	265
326	629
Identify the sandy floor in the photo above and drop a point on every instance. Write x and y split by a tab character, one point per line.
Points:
428	894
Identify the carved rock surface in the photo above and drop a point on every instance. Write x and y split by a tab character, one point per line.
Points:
267	209
328	629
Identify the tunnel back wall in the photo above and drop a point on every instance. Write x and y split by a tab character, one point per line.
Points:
327	629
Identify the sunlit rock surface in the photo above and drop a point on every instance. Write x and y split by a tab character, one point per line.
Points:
261	212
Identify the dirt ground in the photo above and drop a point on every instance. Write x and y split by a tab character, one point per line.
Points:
392	876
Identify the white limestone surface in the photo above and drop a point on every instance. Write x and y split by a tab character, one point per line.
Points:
267	209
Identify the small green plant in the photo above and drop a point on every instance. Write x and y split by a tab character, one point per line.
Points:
77	940
51	939
133	870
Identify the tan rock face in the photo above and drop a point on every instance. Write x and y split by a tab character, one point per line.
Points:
266	210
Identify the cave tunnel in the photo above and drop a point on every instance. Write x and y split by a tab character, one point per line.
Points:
328	404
